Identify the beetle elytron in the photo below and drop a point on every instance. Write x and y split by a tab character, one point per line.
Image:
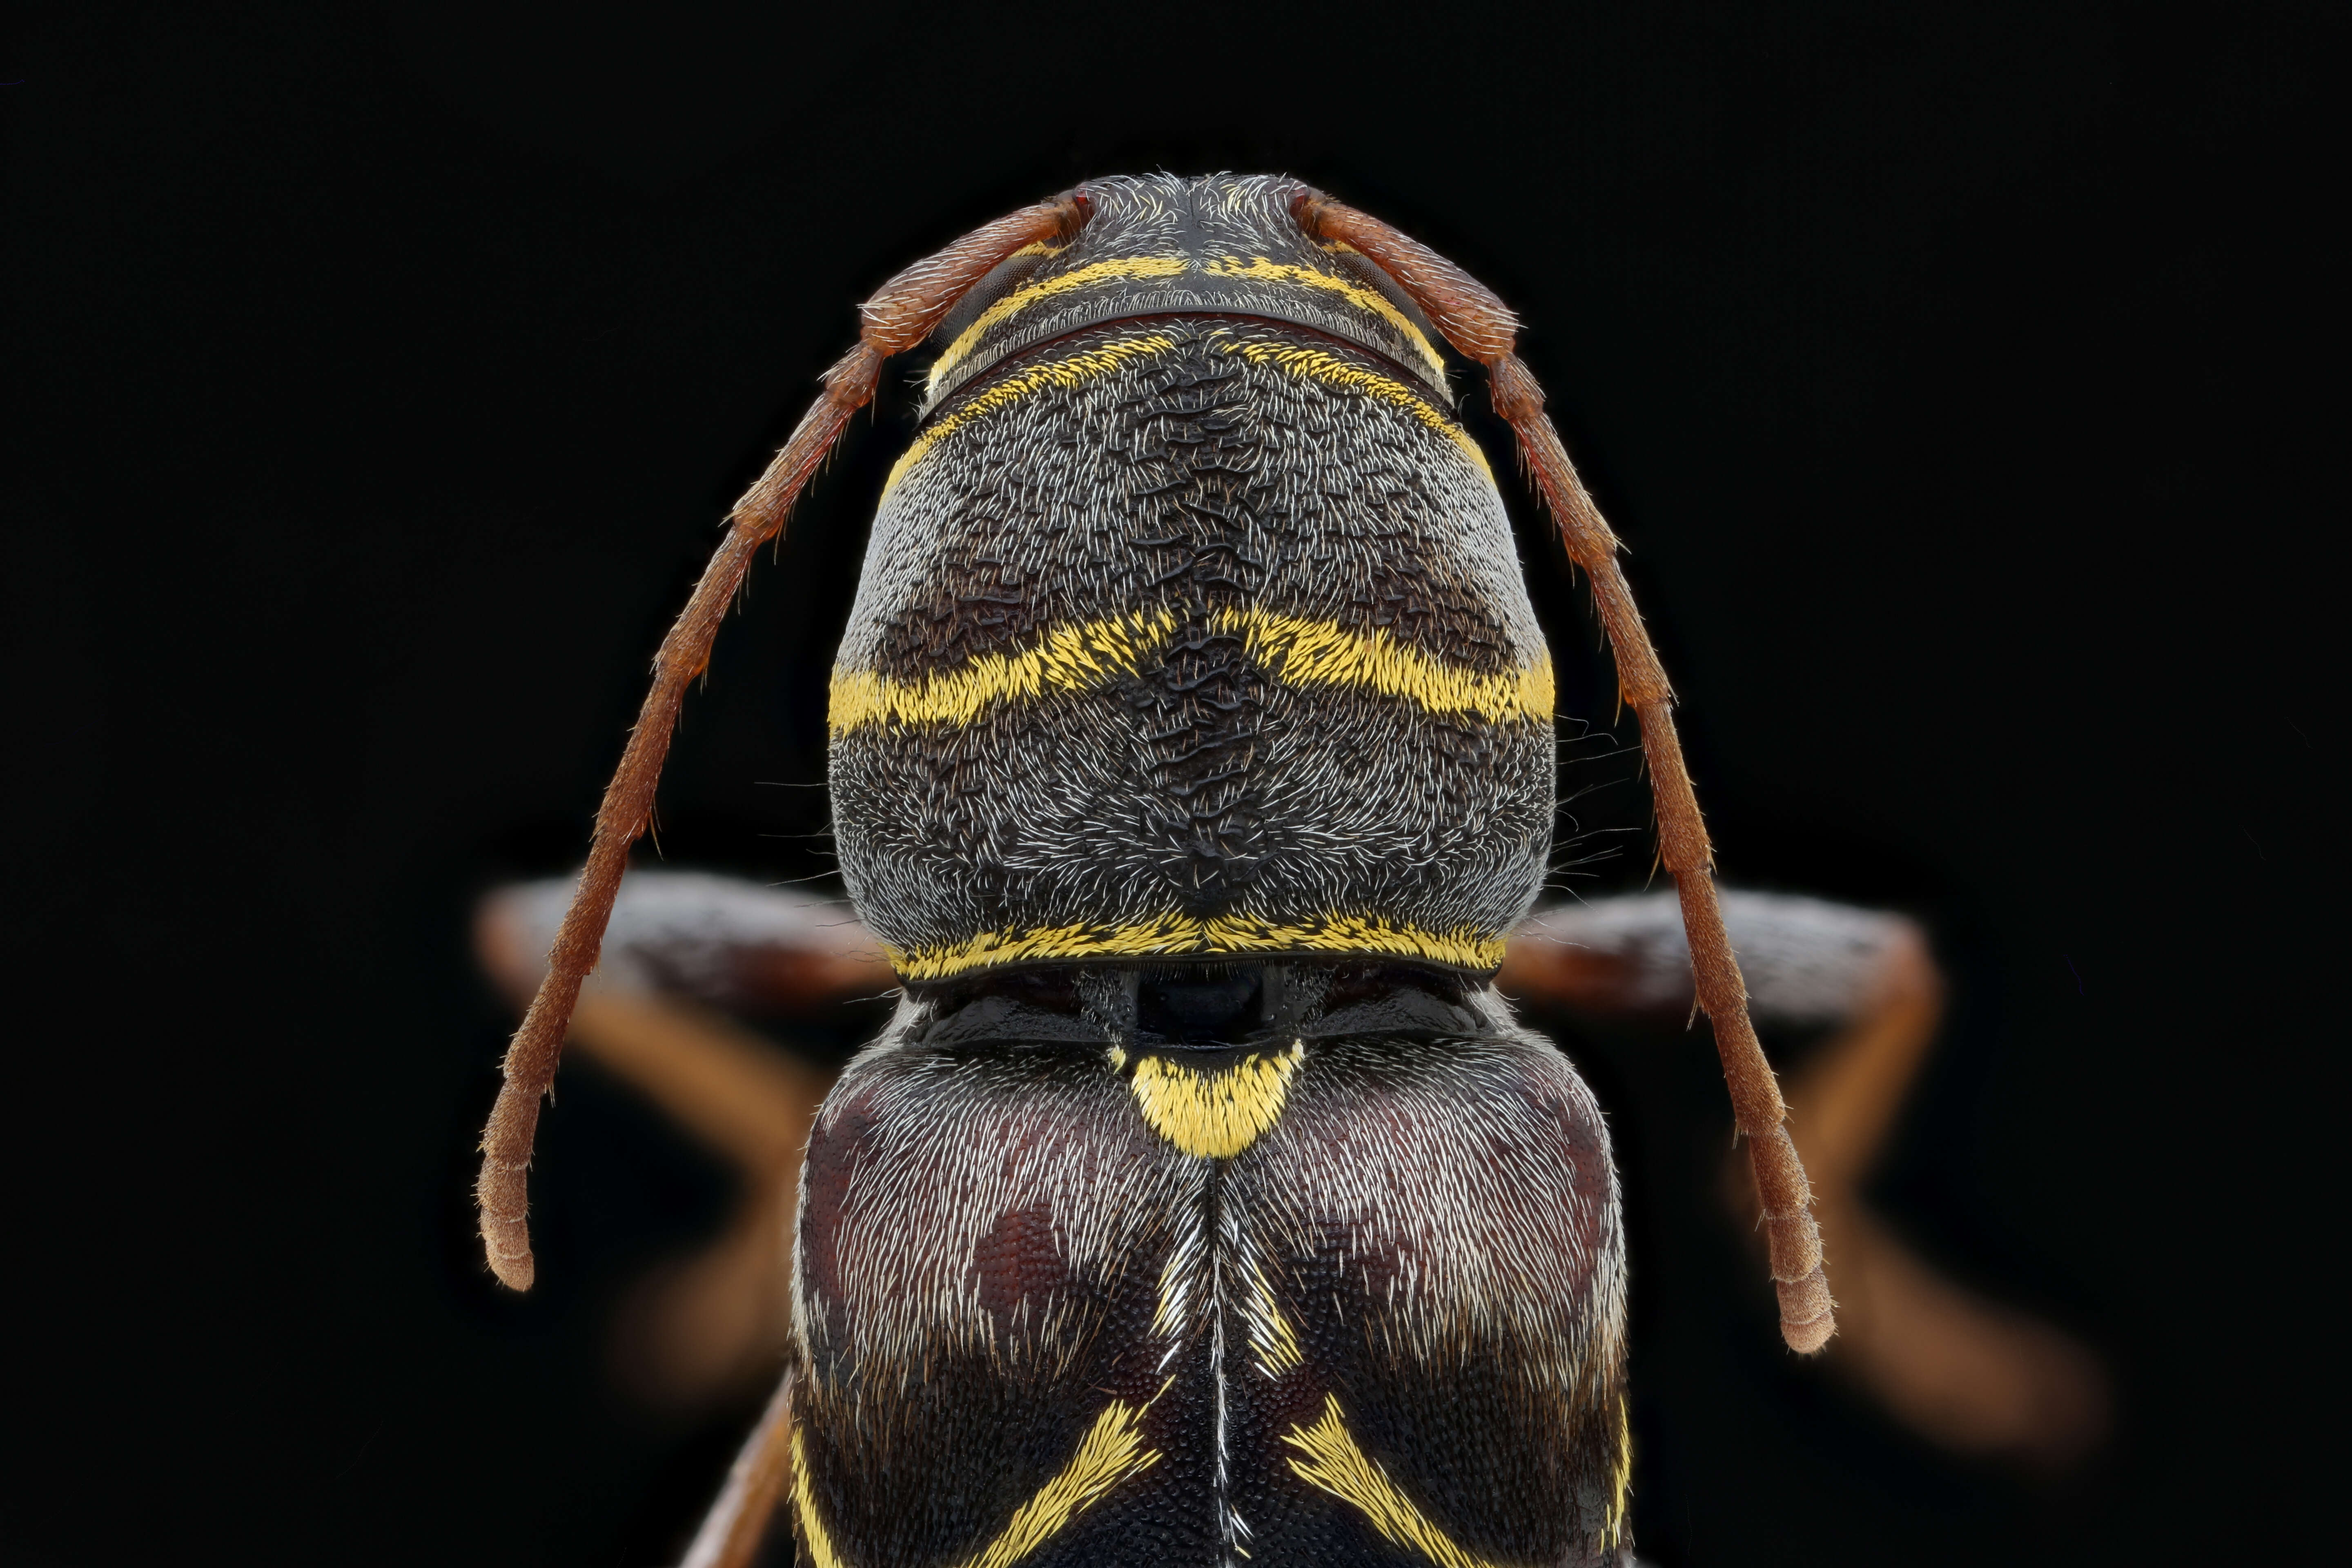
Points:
1192	758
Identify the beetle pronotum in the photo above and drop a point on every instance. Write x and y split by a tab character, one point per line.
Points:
1192	760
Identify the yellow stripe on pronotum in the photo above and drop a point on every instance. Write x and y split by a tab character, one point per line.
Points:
1111	1451
1066	659
1291	648
1074	369
1020	300
1314	364
1214	1115
1334	1463
1330	369
1301	652
1175	935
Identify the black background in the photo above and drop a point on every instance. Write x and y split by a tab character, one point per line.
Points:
1965	380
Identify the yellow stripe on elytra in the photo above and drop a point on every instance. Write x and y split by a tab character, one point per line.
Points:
1272	272
1175	935
1068	659
1330	369
820	1544
1214	1115
1621	1479
1291	648
1075	370
1111	1451
1021	299
1335	1464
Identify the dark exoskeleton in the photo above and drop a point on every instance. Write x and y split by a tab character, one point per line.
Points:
1192	760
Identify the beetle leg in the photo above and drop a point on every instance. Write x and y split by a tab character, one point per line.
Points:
680	944
1481	328
723	941
738	1522
1971	1373
1968	1373
896	320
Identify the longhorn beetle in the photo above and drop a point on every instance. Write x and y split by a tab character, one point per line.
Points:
1191	757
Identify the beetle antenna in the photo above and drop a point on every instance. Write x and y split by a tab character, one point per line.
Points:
1481	328
898	318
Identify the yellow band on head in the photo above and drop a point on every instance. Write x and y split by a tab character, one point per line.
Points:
1255	269
1356	294
1020	300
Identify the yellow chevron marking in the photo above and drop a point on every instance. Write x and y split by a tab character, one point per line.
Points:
1292	649
1068	659
1021	299
1319	653
1332	371
1270	1333
1356	294
1214	1115
813	1530
1336	1465
1074	369
1111	1451
1182	936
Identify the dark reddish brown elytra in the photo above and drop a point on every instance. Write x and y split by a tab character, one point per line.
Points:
1481	328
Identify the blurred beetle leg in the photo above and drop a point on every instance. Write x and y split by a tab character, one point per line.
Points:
1852	1086
697	1329
1807	960
1966	1372
1970	1374
738	1522
750	1102
1609	958
700	1328
723	941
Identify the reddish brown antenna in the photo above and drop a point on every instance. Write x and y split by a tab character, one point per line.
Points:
896	320
1481	328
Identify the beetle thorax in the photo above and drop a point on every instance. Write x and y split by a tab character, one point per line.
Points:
1192	622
